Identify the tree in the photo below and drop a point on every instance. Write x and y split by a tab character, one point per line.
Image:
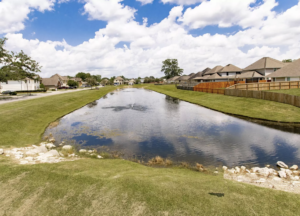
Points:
170	68
16	66
72	83
42	86
287	60
111	80
83	75
91	81
97	77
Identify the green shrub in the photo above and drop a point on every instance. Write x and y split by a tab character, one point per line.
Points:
13	93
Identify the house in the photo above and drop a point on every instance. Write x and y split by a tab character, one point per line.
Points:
21	85
64	79
290	72
214	70
78	80
119	81
199	74
52	83
131	82
229	72
265	66
183	78
173	79
250	76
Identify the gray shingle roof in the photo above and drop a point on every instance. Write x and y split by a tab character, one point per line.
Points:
230	68
214	70
265	63
291	70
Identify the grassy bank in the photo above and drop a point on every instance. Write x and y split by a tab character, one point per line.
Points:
248	107
114	187
288	91
23	122
118	187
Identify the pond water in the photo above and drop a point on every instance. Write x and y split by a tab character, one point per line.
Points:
142	123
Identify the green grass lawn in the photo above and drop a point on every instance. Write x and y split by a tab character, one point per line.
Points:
289	91
24	122
248	107
119	187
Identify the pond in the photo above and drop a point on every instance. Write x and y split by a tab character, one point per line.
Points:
144	124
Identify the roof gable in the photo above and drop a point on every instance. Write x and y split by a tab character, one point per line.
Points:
214	70
291	70
230	68
264	63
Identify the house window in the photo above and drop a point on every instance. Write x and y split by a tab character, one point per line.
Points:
227	74
289	79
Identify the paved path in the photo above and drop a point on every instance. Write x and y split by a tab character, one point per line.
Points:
40	95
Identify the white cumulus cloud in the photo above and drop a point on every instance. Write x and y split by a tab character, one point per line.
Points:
13	13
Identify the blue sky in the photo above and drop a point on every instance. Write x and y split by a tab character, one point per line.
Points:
67	21
109	37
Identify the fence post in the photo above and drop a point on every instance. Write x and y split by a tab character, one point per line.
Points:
269	86
290	85
280	86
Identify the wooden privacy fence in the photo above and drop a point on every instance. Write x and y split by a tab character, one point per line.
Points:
267	86
215	85
271	96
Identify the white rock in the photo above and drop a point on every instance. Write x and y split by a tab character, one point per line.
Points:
289	172
216	172
294	167
225	168
99	157
29	159
61	144
282	174
262	180
268	166
237	169
255	169
232	171
296	173
82	151
52	153
277	179
7	155
90	151
67	147
264	172
281	164
243	169
50	145
248	171
52	140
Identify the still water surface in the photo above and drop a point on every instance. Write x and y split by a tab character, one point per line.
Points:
144	124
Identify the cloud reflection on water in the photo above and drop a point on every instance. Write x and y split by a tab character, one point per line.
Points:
161	125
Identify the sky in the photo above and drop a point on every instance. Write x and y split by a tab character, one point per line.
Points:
133	37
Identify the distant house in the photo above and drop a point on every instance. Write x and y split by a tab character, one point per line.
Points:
21	85
183	78
52	83
131	82
290	72
250	76
119	81
229	72
197	77
173	79
265	66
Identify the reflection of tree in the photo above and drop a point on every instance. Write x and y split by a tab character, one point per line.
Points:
111	93
172	100
91	105
105	96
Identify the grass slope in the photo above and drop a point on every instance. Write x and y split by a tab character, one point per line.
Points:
288	91
248	107
23	122
118	187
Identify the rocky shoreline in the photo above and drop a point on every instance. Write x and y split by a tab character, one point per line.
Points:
285	179
47	152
